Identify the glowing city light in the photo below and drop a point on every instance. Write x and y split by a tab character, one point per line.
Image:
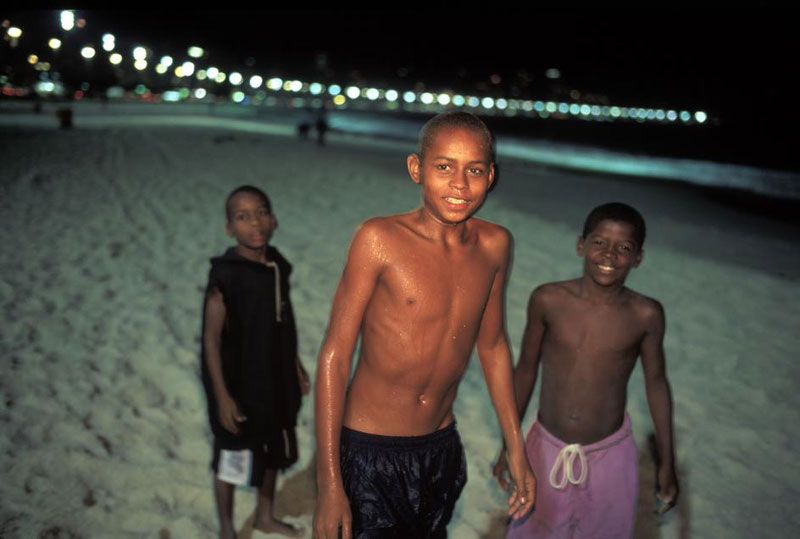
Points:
212	72
54	43
574	109
188	69
236	78
563	108
88	52
115	58
586	110
473	101
255	81
200	93
458	100
426	98
487	102
339	100
501	104
201	74
275	83
685	116
700	116
166	61
220	78
140	65
660	114
391	95
296	86
352	92
139	53
237	96
615	112
373	94
315	88
109	42
527	106
672	115
67	20
14	32
443	99
334	89
595	110
409	96
552	73
195	52
32	59
161	69
550	106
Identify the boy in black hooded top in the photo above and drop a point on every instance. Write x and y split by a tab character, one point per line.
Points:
251	372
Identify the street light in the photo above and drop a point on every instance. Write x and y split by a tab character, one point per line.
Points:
88	52
54	43
67	20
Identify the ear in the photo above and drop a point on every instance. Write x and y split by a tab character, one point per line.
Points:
413	163
491	174
228	229
579	246
638	259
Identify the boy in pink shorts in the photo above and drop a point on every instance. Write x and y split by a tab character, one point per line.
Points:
587	334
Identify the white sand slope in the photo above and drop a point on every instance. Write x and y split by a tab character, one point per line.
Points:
106	237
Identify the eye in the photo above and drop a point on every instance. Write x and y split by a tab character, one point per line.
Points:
625	248
241	217
442	166
476	171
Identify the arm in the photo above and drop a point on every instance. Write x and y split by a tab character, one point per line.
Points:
659	399
524	377
228	411
495	357
352	295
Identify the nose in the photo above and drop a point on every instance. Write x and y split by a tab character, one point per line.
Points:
459	181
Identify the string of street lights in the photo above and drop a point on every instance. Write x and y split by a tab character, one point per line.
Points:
255	89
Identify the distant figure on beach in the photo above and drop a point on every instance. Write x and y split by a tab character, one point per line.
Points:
251	371
422	288
587	334
322	126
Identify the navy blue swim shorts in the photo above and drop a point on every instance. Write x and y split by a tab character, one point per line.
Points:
402	486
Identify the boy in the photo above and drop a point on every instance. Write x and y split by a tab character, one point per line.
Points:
587	334
422	288
251	372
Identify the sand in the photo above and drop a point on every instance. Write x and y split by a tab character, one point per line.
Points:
107	231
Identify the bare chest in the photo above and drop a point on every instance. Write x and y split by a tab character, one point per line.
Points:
595	332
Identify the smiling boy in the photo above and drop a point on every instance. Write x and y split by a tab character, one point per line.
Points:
587	334
422	288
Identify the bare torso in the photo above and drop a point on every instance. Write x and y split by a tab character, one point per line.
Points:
420	326
587	354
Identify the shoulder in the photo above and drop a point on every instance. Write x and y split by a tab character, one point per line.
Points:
648	310
496	239
548	294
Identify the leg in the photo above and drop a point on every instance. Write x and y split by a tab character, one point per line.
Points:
224	494
265	520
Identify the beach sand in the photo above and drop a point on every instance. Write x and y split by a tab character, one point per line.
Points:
107	231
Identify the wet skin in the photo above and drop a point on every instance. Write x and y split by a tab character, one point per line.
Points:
422	288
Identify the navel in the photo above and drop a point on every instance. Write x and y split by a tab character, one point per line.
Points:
411	301
422	399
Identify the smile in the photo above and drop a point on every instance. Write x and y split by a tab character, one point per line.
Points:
604	268
456	201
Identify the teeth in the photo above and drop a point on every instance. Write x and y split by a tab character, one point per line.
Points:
605	268
452	200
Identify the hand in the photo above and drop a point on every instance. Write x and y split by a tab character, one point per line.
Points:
229	414
500	469
523	493
302	376
667	494
333	511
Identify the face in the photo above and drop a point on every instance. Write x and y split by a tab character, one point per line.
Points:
455	174
250	221
609	252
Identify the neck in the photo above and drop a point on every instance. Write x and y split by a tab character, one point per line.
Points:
595	293
436	229
256	255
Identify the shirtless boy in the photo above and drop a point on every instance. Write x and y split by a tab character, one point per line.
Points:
587	334
422	288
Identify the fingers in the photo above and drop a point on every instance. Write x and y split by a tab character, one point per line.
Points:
346	531
664	502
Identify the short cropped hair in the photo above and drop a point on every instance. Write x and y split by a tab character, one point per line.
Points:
617	211
247	189
457	119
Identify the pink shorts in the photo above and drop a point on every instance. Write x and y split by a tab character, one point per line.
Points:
581	491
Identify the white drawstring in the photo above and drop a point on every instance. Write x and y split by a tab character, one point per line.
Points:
277	289
565	461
